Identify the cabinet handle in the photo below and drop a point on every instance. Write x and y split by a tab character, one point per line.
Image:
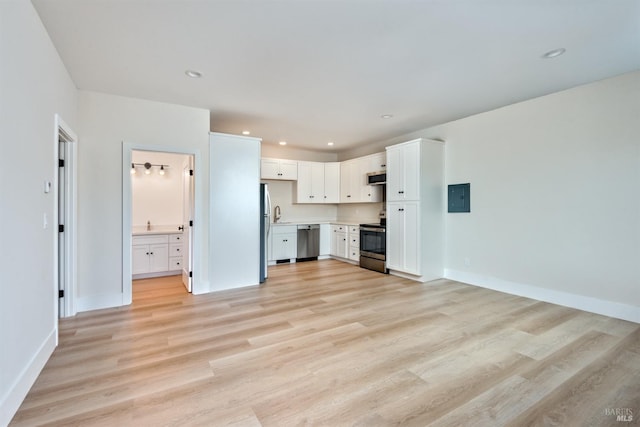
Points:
383	166
349	195
401	210
147	253
151	253
400	192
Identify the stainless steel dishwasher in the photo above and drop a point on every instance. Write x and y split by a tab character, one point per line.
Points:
308	242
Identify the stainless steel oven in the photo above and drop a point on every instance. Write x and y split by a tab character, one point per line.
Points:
373	247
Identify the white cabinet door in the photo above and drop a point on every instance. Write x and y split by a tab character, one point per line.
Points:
403	172
317	182
269	169
339	241
377	162
158	258
285	246
332	182
139	259
340	244
348	173
278	169
289	170
367	193
403	237
284	242
304	184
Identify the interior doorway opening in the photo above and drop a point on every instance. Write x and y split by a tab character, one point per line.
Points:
160	216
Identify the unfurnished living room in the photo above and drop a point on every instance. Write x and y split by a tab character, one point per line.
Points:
283	213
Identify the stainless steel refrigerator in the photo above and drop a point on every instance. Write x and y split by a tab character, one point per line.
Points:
265	229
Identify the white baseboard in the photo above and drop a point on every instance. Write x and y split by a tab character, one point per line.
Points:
12	400
581	302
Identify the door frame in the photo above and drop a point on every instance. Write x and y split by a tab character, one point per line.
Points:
196	245
69	264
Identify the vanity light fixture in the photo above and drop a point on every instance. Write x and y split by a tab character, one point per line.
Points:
386	116
147	168
246	132
282	142
193	74
330	144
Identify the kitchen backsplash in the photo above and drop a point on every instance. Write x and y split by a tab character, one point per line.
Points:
282	195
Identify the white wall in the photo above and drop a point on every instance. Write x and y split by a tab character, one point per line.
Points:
554	194
105	122
555	212
34	86
157	198
292	153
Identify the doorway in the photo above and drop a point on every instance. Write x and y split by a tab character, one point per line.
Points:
161	214
65	217
158	210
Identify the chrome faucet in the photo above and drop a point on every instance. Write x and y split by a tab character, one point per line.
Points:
277	214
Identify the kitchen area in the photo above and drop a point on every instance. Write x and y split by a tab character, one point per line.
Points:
343	210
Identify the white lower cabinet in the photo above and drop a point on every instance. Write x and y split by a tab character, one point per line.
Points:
154	254
284	242
354	242
403	231
345	241
339	243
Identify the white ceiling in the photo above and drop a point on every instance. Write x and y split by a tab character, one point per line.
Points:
313	71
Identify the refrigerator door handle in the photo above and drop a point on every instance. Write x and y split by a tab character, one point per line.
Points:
268	214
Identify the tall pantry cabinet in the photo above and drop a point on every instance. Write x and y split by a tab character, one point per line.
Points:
415	209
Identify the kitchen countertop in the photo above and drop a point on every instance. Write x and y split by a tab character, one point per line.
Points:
324	222
158	229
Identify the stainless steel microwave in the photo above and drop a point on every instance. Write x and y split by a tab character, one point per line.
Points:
377	178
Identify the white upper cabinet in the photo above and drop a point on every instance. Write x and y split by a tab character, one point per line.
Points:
278	169
403	173
353	182
377	162
332	182
318	182
349	182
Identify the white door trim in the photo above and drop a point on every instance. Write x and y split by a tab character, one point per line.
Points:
127	148
64	131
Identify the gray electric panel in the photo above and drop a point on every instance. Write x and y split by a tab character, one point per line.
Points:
459	198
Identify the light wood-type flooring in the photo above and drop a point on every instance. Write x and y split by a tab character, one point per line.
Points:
329	344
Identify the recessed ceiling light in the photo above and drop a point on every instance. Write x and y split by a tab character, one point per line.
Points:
553	53
330	143
386	116
193	74
246	132
282	142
